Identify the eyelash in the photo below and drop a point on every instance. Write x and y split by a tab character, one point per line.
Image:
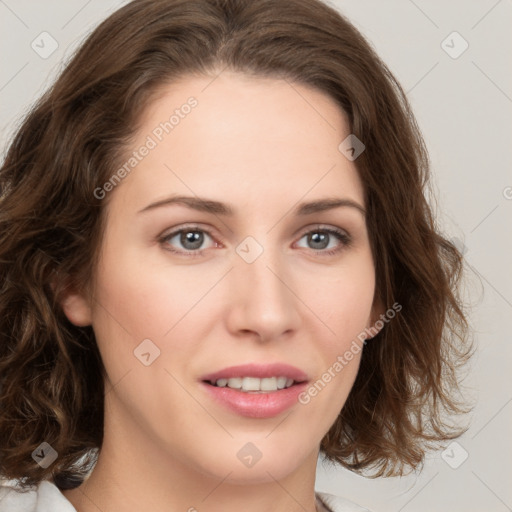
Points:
342	236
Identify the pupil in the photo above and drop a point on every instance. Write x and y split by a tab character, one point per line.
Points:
192	239
322	239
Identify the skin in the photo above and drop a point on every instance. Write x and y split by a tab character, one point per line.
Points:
260	145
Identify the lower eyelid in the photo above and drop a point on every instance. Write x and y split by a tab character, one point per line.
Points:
344	239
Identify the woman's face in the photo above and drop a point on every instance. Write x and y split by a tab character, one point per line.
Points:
251	267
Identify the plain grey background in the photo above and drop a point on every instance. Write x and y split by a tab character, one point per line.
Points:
462	98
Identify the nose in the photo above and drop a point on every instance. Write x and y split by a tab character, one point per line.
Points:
262	299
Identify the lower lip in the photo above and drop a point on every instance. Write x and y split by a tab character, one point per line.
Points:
256	405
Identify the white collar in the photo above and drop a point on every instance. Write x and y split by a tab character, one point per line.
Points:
48	498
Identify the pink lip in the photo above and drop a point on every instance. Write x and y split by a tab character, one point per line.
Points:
257	405
259	371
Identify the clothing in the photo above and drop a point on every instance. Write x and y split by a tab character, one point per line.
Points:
46	497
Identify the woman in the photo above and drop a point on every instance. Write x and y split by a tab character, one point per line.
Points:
217	261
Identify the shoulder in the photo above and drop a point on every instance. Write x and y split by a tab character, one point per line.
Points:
46	497
338	504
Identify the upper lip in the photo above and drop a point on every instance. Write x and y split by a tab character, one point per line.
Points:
258	370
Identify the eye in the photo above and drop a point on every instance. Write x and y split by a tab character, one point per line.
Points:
326	240
189	240
193	241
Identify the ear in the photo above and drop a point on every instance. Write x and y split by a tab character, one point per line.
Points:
75	305
77	309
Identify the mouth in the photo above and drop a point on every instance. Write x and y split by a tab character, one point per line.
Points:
254	384
256	391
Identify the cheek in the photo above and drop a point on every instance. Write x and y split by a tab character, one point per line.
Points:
342	300
137	299
144	298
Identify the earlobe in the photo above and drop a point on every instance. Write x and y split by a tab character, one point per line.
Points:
74	304
77	309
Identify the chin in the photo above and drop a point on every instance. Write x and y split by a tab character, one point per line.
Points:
250	465
261	473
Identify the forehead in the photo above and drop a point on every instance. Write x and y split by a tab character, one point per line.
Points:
251	138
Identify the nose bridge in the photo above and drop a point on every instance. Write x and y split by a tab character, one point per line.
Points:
257	267
263	301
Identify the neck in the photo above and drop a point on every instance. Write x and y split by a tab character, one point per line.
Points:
133	476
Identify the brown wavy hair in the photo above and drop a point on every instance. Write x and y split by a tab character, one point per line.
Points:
51	228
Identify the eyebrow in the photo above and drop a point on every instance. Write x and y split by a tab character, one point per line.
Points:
218	208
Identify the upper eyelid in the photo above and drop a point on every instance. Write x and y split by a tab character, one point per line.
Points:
192	227
208	231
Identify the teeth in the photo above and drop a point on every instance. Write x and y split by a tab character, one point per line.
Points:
254	384
268	384
251	384
235	383
281	382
